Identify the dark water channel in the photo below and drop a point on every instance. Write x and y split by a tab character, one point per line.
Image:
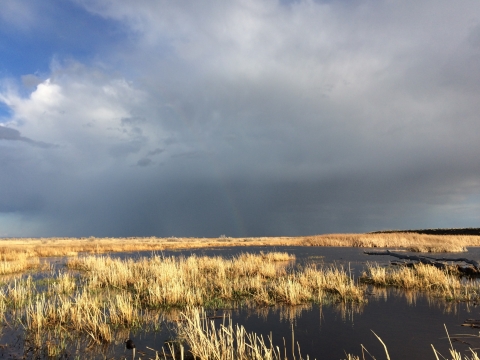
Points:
408	323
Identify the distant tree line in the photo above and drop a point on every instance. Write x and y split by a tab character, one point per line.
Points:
457	231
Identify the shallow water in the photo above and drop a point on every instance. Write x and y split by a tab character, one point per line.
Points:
328	332
407	322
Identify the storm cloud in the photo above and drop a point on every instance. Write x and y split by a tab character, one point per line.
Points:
246	118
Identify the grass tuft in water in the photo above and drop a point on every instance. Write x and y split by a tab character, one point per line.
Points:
428	278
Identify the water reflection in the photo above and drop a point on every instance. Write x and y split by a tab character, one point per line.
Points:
407	322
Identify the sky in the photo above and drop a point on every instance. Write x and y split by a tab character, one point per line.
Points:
238	118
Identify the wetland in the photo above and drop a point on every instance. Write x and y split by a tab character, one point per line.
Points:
275	301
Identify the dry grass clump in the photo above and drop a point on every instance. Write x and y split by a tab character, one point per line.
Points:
20	264
3	305
19	292
425	278
84	312
61	305
226	342
315	284
192	281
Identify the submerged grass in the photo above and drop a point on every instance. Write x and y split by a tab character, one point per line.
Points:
423	277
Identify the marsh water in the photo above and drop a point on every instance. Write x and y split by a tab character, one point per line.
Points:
407	322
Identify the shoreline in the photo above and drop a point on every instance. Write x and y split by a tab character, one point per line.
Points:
13	248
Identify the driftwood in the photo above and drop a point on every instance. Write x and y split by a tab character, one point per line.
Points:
472	269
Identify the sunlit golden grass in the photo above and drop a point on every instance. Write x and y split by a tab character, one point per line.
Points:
177	281
11	249
20	264
205	340
409	241
425	278
98	295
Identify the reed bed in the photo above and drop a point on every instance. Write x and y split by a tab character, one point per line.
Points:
12	248
409	241
423	277
170	281
97	296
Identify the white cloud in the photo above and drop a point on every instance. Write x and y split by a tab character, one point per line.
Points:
81	110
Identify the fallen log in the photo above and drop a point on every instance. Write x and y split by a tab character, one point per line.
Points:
474	269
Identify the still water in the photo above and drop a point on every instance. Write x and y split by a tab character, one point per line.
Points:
407	322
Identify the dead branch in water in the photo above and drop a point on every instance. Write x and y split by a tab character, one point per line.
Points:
473	269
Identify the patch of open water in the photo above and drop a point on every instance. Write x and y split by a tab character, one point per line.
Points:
407	322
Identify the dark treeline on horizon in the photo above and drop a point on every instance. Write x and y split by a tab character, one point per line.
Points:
455	231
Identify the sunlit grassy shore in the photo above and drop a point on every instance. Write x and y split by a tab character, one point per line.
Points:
12	248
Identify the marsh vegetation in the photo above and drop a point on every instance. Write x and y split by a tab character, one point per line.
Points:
427	278
98	297
96	301
13	248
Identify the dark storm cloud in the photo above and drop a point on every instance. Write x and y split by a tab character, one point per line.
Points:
14	135
184	206
258	118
